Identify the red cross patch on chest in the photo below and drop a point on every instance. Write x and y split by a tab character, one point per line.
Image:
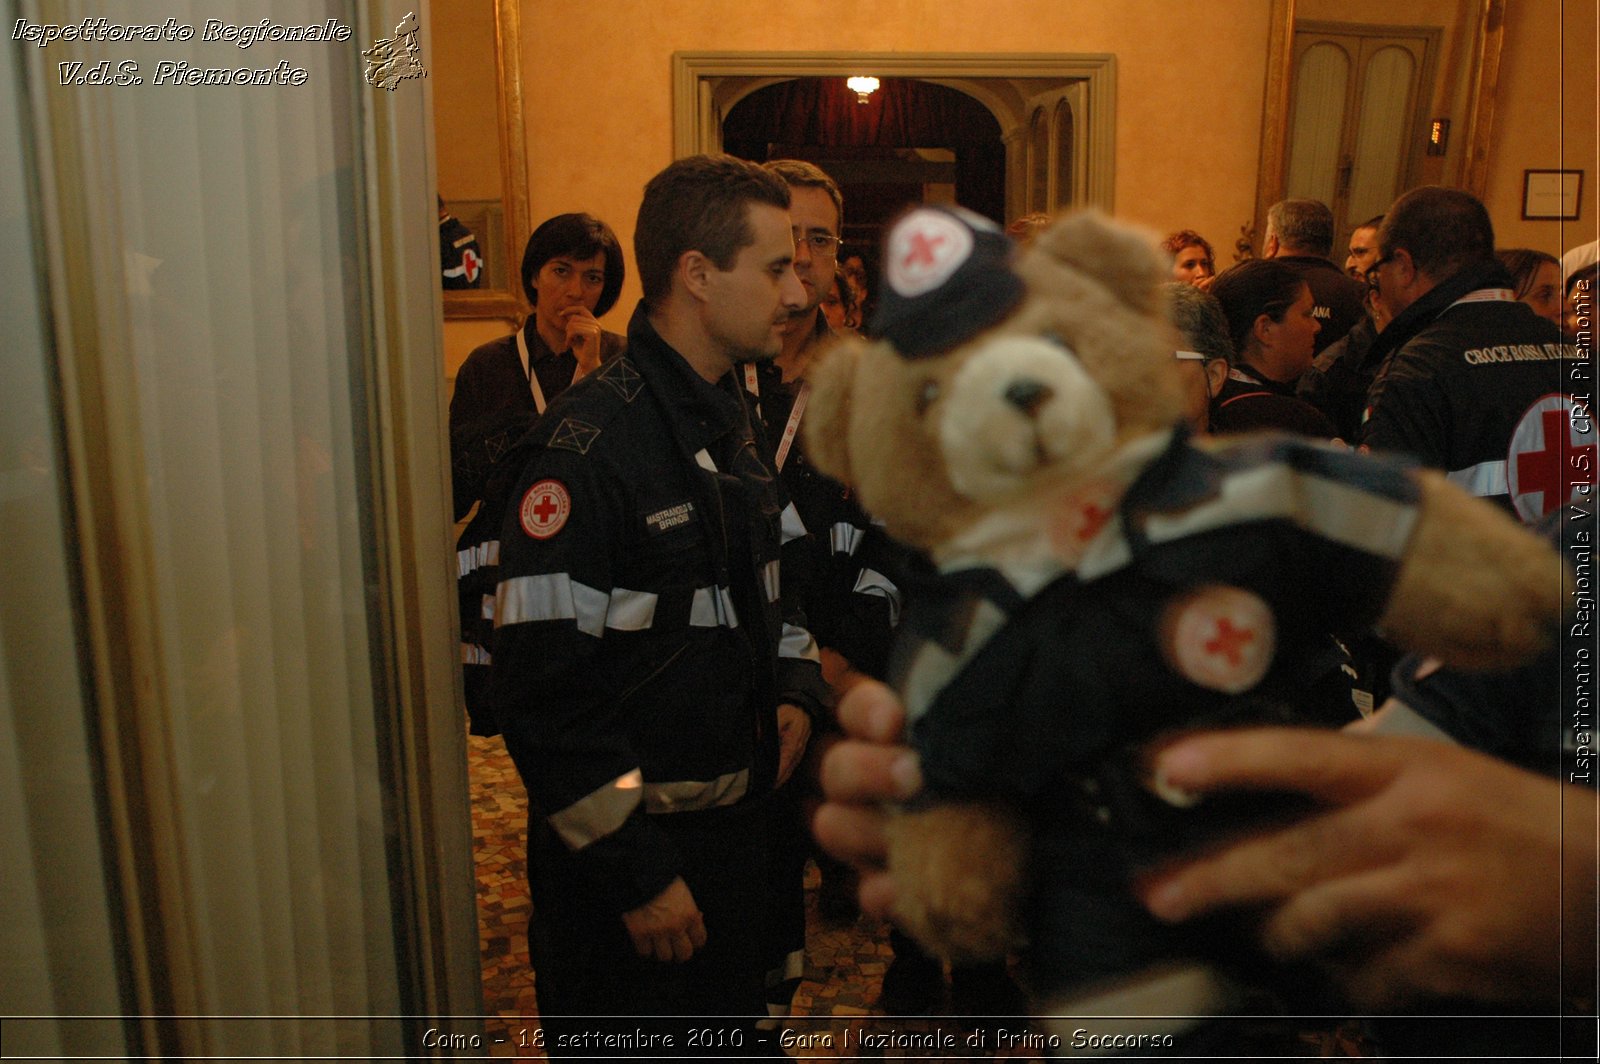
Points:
1219	637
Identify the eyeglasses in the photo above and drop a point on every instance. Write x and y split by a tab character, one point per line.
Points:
822	245
1190	356
1372	271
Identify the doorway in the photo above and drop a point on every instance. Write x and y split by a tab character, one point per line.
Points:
1358	106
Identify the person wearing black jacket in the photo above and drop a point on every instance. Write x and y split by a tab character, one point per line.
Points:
576	261
1472	382
653	684
1300	236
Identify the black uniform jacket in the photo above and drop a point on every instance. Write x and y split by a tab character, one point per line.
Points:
1459	377
1042	701
642	645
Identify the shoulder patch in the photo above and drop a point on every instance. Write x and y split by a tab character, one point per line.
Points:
545	508
574	435
621	377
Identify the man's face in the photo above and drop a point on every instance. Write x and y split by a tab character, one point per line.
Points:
1391	277
815	228
1192	265
748	306
1363	253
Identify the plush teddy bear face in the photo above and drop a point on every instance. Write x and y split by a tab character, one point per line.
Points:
1083	363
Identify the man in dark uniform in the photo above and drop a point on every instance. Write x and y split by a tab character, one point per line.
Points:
1338	381
572	272
1300	235
653	686
1473	383
460	258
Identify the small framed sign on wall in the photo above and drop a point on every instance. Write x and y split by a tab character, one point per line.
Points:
1551	194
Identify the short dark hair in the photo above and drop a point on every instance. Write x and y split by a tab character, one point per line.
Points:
1523	265
1199	319
1302	224
1444	230
797	173
1371	223
698	204
577	236
1187	238
1251	289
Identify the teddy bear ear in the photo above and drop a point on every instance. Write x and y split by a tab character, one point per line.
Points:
827	422
1120	257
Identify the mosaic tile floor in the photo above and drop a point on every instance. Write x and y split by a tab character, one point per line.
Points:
845	962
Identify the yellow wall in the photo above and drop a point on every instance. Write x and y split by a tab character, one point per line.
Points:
1546	119
1190	78
1188	128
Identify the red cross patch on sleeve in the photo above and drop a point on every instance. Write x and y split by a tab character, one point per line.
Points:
545	509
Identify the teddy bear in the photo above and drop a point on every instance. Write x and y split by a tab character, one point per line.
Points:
1104	578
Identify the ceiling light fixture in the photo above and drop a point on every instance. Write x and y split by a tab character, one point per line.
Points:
863	87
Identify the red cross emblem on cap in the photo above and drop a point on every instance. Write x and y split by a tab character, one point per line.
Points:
1219	637
1552	456
472	264
545	509
925	248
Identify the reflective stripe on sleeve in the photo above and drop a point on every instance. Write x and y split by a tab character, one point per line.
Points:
872	582
712	608
1483	480
769	580
550	597
797	643
791	525
844	538
688	796
476	557
600	812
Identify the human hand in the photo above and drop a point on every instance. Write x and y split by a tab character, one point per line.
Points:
870	767
1433	873
583	338
668	927
794	732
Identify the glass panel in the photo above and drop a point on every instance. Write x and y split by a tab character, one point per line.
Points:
1322	76
1065	155
236	215
1386	102
56	934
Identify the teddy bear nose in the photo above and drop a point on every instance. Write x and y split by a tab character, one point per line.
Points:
1028	395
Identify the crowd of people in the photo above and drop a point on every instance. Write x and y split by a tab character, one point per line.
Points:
673	619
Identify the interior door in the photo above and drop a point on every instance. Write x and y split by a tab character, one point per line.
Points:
1357	116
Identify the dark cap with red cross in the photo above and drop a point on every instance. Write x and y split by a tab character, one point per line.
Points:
946	277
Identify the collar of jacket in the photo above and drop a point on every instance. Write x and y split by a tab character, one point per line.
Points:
698	412
1319	261
1426	310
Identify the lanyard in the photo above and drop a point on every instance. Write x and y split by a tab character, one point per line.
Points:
753	386
1485	295
533	378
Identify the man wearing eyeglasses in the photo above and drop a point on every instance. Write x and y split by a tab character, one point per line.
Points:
1474	383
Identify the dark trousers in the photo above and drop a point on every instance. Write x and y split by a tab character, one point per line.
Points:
598	997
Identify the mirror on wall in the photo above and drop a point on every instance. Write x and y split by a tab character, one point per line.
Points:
478	142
